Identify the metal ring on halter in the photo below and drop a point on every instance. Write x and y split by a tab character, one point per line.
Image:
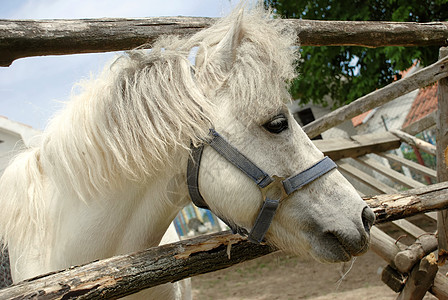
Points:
275	190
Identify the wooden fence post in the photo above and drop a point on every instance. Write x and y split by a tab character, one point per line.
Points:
420	279
442	171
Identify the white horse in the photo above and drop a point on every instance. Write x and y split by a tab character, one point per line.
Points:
110	173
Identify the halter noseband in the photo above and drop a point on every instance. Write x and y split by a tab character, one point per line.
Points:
273	189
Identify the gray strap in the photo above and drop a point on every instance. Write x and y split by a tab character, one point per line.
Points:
234	156
263	221
194	162
296	182
267	212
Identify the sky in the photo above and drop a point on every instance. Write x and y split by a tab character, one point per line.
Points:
33	89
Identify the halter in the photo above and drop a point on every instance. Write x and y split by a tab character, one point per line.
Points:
273	189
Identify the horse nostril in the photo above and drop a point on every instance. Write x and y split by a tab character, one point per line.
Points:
368	218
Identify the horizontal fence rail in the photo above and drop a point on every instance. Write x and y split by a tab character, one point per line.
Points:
24	38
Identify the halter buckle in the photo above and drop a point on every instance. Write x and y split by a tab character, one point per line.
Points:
275	190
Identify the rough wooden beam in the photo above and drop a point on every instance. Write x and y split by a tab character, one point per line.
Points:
370	34
424	123
409	203
420	280
410	164
384	246
435	281
393	279
389	173
406	259
442	170
413	141
379	97
126	274
358	145
387	248
365	178
432	215
409	228
23	38
440	287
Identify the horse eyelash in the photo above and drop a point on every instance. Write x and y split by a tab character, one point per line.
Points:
277	128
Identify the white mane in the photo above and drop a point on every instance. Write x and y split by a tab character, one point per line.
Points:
126	124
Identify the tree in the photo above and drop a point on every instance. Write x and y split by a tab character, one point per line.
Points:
346	73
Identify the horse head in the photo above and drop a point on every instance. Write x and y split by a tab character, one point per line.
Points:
325	217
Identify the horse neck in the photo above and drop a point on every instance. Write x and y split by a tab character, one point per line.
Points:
130	219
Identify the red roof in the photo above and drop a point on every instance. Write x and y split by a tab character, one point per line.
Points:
358	119
424	104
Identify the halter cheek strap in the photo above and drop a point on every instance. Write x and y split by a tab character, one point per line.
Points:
274	189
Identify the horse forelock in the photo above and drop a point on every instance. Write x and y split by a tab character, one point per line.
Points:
264	63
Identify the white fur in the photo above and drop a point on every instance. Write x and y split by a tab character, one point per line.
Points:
109	175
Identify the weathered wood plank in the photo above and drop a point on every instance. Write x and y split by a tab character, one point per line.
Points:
413	141
126	274
121	275
357	145
410	164
379	97
388	172
393	279
420	280
385	246
409	228
366	179
432	215
408	203
423	124
407	258
440	287
23	38
370	34
402	224
442	168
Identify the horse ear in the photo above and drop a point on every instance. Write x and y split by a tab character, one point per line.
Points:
223	55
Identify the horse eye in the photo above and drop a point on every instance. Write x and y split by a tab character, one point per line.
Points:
277	124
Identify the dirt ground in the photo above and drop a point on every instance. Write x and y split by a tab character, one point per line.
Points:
280	276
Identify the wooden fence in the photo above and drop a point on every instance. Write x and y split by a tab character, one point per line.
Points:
22	38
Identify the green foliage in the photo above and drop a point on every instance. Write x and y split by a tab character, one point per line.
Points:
428	159
346	73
